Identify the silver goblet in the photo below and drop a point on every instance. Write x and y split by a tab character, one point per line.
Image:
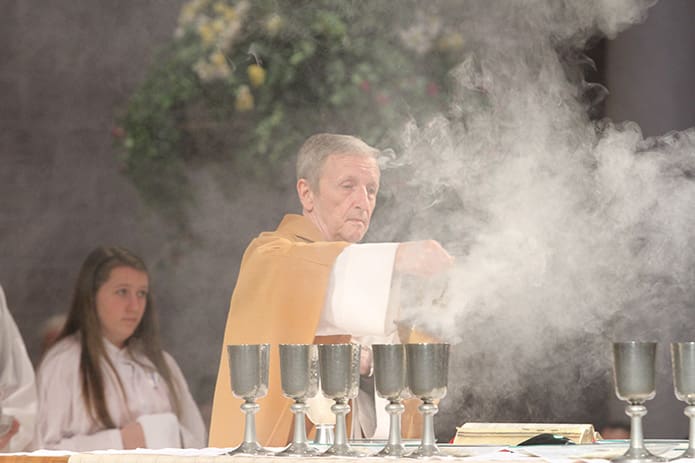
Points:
634	375
389	380
299	377
248	368
683	363
339	368
427	367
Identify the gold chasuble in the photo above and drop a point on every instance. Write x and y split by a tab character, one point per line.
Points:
278	299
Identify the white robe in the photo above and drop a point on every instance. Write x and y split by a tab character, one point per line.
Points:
17	383
64	422
358	302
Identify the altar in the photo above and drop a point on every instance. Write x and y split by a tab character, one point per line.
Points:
600	453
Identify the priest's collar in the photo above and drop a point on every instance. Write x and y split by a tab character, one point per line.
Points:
301	227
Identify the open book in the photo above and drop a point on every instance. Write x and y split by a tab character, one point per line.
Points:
515	433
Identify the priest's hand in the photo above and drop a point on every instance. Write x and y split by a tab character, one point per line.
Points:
5	438
132	436
422	258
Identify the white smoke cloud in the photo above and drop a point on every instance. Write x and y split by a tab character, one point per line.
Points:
568	233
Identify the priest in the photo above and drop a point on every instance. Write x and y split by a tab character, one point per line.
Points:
309	282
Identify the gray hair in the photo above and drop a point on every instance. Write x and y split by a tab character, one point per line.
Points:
317	148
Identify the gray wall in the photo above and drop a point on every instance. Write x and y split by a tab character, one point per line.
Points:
650	70
65	67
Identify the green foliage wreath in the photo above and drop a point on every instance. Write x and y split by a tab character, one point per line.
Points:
243	83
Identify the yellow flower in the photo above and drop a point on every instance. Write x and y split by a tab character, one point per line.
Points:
273	24
224	10
189	11
244	99
218	59
256	75
207	33
214	69
202	68
218	26
219	66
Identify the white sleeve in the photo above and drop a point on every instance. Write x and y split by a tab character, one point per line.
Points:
357	299
17	382
192	428
59	389
161	431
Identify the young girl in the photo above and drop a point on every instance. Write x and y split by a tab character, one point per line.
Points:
107	383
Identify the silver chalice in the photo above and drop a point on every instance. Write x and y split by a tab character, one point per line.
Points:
634	375
389	380
683	363
339	369
299	377
427	367
248	368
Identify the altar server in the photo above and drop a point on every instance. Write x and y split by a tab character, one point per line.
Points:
107	383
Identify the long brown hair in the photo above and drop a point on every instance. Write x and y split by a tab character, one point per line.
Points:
84	322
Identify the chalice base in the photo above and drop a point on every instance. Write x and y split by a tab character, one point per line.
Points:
392	450
638	456
250	448
689	453
427	451
298	449
341	450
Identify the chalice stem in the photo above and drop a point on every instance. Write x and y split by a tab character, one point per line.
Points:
340	427
636	412
395	409
690	413
340	446
298	409
428	411
340	430
250	409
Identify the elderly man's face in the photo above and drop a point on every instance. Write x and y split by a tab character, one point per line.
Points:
343	203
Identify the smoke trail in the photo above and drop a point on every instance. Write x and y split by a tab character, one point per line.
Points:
568	233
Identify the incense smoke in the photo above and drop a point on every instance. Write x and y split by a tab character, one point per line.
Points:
569	233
